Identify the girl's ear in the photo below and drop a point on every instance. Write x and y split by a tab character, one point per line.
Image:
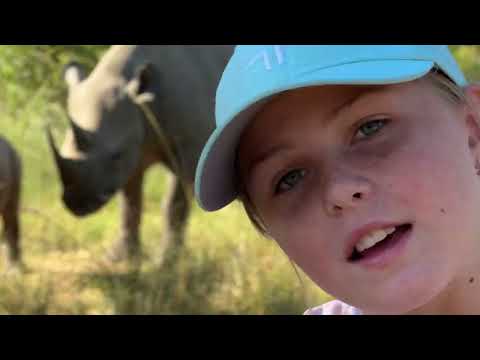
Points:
472	94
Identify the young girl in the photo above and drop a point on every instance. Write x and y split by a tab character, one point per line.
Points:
363	163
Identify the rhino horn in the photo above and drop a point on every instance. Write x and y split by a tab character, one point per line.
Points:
64	166
83	138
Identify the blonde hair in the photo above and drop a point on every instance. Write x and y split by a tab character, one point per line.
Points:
440	81
447	87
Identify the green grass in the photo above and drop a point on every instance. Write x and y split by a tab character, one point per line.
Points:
225	267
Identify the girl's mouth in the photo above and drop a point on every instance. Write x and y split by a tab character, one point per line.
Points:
377	242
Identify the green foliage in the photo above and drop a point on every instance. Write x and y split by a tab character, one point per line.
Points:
32	74
468	57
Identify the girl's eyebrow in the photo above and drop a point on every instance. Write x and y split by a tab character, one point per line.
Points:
350	103
267	154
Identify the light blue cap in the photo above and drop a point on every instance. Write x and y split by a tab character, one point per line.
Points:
257	72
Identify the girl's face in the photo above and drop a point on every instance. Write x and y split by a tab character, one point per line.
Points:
372	191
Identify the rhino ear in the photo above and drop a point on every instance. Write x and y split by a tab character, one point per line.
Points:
143	74
137	88
73	74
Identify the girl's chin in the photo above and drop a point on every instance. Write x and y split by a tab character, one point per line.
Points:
409	291
405	301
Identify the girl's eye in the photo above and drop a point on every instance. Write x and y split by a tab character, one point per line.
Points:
288	181
370	128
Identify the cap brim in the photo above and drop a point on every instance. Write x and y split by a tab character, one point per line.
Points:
214	185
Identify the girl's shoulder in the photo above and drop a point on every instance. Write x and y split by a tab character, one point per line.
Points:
334	307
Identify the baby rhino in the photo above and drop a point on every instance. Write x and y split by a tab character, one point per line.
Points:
10	177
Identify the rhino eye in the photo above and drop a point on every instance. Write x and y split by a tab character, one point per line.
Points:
116	156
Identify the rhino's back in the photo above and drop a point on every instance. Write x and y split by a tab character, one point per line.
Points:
184	79
185	82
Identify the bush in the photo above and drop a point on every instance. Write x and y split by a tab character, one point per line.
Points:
31	74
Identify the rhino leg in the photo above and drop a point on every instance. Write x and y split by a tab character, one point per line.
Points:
128	245
11	230
176	210
10	215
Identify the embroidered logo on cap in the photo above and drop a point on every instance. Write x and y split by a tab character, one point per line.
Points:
266	57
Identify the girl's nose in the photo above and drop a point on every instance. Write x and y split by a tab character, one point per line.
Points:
345	191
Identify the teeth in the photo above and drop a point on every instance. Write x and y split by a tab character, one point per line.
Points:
389	230
373	238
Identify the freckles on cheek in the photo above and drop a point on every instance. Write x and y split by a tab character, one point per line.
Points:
429	178
312	260
307	247
303	234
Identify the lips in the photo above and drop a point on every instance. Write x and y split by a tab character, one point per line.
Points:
367	243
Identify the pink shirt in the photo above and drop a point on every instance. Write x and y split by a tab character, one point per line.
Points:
334	307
